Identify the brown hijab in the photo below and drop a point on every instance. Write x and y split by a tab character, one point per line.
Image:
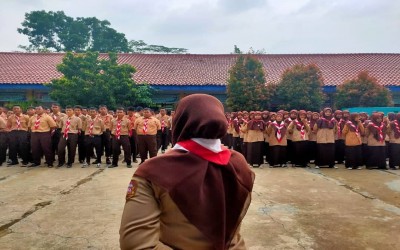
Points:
395	126
211	196
377	128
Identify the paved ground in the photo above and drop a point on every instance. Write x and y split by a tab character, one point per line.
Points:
292	208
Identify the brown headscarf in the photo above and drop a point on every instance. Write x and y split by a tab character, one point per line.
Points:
352	121
256	124
212	197
395	126
326	121
312	120
376	127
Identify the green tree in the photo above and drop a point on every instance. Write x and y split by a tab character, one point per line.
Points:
90	81
300	88
55	31
141	47
246	85
362	91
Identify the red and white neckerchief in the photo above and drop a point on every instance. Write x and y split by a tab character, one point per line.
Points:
302	130
339	131
118	129
54	117
146	120
330	121
355	129
37	122
278	132
66	130
162	125
380	129
91	126
396	124
18	121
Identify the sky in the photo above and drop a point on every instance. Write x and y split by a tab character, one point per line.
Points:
215	26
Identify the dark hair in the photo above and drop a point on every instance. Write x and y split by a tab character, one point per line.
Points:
139	108
55	104
102	106
78	107
93	108
131	109
68	107
121	108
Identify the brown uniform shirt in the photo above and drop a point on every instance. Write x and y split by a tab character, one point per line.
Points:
12	122
164	119
44	121
125	126
296	134
84	121
153	124
107	120
3	124
57	118
351	137
75	125
98	126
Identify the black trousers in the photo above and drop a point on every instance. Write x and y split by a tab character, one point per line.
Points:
106	143
81	146
133	141
41	144
147	144
18	144
3	146
236	144
71	144
162	139
339	151
126	146
353	156
300	155
90	143
394	155
55	139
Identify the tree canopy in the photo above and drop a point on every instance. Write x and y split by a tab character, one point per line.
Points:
363	91
90	81
55	31
300	88
246	85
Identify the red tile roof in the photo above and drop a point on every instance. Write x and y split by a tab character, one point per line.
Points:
38	68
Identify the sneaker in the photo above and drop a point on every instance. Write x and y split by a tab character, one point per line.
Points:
284	165
49	165
85	164
108	162
60	165
261	167
359	168
12	164
135	161
33	165
69	165
349	168
316	167
129	166
96	162
112	166
335	167
24	164
98	165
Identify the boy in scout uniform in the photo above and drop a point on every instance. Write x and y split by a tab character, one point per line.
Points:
94	128
71	127
18	125
162	134
41	126
146	129
81	136
3	140
56	115
106	136
120	129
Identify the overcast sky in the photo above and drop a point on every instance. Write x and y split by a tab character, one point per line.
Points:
215	26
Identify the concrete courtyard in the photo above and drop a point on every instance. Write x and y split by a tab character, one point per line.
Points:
292	208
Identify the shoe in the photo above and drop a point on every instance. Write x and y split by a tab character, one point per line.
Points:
24	164
108	162
85	165
81	161
96	162
349	168
335	167
60	165
284	165
135	161
359	168
162	151
69	165
112	166
33	165
12	164
98	165
129	166
261	167
49	165
316	167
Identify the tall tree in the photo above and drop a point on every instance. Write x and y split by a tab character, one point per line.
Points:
362	91
140	46
300	88
246	85
90	81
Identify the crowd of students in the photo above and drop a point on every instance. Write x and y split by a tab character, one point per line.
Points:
93	132
325	138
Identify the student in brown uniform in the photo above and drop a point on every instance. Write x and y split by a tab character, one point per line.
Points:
312	137
299	130
18	125
236	144
41	126
376	132
339	139
394	136
162	134
146	129
170	205
81	136
94	128
120	129
56	135
255	140
106	136
71	128
132	134
3	140
326	129
277	141
289	149
352	132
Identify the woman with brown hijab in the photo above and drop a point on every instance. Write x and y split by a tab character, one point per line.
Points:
312	137
394	136
194	196
376	133
255	140
277	142
299	129
326	129
352	132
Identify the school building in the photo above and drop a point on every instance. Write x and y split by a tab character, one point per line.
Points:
23	76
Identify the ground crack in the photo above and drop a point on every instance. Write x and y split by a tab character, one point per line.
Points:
5	229
81	182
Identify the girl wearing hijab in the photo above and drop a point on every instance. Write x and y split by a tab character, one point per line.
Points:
299	129
265	118
339	139
255	138
243	133
364	120
171	205
376	132
236	144
312	137
289	149
394	135
326	129
352	132
277	142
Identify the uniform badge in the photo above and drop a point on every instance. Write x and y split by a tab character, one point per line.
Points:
132	188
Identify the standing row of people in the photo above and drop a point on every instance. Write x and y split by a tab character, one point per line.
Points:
92	132
325	138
